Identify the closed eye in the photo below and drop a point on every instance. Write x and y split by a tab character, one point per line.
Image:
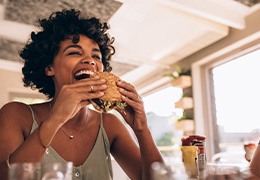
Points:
96	57
74	53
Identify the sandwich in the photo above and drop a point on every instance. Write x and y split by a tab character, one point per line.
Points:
112	97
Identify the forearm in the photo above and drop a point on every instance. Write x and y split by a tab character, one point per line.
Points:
149	152
33	148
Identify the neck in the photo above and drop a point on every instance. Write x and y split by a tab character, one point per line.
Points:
79	118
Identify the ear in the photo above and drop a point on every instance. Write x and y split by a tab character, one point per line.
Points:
49	71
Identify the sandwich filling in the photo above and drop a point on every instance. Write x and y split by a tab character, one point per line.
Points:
105	106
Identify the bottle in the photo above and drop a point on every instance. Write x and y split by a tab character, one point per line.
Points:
190	160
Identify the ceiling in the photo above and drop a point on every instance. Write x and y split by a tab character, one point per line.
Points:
151	35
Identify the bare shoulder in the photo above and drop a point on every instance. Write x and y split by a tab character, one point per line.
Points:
112	121
14	112
13	108
15	122
114	126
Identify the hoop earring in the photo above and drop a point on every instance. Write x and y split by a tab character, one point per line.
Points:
49	73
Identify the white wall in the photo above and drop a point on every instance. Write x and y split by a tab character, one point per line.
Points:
10	83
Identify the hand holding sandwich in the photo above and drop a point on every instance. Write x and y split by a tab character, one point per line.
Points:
123	97
134	113
79	94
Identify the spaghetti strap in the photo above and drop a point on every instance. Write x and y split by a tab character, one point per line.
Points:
33	118
101	119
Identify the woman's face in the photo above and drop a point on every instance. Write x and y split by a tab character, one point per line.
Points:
73	59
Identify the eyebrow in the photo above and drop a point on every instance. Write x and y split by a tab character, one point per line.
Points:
72	46
79	47
96	50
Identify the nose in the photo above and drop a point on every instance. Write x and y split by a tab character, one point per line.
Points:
88	60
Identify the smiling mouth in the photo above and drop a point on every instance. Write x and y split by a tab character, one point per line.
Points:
83	74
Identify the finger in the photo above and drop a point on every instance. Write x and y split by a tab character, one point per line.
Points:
128	90
91	88
96	88
89	81
88	96
126	86
130	95
137	106
90	85
138	98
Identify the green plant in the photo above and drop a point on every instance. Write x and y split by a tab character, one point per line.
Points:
165	140
187	114
178	72
182	118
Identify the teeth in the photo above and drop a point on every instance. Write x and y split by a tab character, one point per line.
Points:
84	72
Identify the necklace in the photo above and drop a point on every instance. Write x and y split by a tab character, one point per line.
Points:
72	136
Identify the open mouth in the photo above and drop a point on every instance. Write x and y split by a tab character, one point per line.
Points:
83	74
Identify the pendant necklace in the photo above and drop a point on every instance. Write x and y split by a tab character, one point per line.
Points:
72	136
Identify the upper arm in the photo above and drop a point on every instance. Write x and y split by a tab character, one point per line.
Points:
124	148
11	131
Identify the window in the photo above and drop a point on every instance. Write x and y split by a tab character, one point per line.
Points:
236	85
226	98
161	115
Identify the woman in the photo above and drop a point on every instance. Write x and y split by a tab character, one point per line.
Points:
65	129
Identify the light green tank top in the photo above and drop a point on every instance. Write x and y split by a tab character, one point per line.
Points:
98	164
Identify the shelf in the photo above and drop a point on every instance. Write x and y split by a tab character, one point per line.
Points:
185	125
185	103
182	82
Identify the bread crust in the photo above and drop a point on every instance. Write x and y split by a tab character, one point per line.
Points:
111	93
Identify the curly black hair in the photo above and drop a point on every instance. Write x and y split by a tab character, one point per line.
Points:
43	46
